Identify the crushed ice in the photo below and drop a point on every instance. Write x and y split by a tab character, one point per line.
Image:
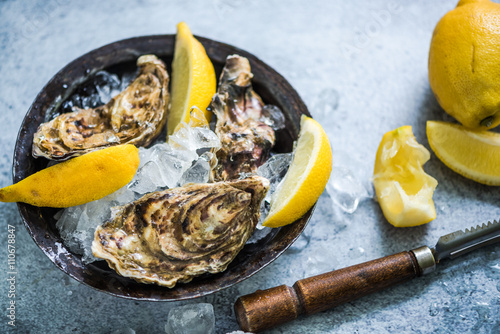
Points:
77	224
186	158
273	116
97	91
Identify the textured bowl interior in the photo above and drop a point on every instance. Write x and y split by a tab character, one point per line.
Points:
121	56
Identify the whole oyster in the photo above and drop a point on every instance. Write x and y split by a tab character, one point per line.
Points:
246	140
174	235
135	116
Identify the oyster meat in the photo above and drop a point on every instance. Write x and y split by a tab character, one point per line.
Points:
246	140
174	235
135	116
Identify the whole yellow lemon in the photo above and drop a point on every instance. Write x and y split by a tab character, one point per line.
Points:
464	63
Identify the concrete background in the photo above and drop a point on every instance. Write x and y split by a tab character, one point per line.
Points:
369	58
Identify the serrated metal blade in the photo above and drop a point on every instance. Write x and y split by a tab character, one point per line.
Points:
461	242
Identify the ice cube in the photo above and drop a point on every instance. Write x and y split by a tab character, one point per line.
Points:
345	189
199	172
77	225
191	319
172	164
68	221
120	197
145	155
197	118
273	116
193	138
146	179
275	168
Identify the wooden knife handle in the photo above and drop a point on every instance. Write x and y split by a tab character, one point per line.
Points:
264	309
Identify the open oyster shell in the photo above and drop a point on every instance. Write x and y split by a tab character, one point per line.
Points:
135	116
174	235
246	140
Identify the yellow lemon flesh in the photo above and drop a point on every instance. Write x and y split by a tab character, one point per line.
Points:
306	178
193	79
404	191
77	181
464	63
472	154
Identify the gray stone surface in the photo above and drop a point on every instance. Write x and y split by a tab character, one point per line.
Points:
371	54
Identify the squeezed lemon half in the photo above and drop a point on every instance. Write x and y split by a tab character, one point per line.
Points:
472	154
404	191
77	181
306	178
193	79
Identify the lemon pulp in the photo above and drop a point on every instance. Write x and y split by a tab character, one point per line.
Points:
404	191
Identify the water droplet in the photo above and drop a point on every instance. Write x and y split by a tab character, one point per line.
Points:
356	253
433	310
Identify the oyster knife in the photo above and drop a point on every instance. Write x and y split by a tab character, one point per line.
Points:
461	242
268	308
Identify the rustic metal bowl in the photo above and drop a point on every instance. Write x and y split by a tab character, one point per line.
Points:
120	56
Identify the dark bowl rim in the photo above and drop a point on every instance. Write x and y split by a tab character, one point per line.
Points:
17	171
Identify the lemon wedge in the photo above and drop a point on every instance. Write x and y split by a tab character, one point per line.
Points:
77	181
471	153
193	79
404	191
306	178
